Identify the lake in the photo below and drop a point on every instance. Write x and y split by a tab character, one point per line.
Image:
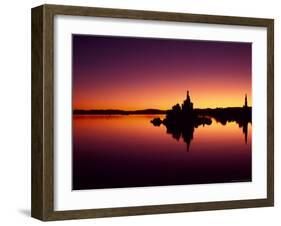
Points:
128	151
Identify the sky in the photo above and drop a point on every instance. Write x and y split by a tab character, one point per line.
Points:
131	73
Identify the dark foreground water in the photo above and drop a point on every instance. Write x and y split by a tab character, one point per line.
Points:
128	151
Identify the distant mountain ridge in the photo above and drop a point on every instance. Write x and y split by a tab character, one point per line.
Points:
117	112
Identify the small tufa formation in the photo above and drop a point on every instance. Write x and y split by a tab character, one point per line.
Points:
156	121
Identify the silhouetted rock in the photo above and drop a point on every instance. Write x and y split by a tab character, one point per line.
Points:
156	121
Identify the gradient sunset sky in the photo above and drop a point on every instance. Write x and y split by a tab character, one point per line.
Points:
130	73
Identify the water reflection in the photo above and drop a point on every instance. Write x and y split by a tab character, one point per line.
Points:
128	151
185	132
242	124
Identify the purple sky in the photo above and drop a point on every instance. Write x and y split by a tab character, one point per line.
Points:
134	73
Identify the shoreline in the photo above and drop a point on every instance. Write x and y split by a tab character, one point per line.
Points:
147	111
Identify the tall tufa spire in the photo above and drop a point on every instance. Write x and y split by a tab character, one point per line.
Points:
187	106
246	101
187	96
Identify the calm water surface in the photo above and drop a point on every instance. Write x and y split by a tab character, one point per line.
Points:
128	151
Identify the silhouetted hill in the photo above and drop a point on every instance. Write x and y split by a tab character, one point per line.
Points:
118	112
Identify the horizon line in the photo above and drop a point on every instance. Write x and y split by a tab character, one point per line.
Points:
117	109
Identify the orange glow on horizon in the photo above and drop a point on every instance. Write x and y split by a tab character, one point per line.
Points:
219	95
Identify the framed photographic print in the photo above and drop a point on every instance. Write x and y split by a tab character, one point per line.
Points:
141	112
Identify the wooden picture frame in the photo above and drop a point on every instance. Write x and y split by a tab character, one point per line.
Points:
43	110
